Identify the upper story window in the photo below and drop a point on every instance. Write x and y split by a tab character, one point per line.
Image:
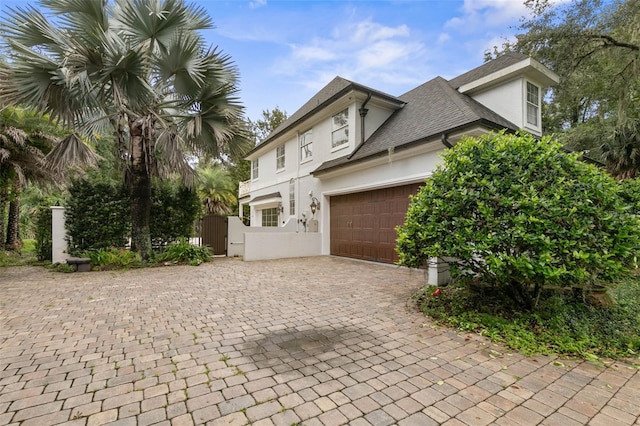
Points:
533	104
280	157
254	169
306	145
292	197
340	128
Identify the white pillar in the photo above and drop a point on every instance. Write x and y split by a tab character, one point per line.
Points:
58	233
438	272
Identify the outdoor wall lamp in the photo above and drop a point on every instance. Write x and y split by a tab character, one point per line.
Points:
280	208
315	205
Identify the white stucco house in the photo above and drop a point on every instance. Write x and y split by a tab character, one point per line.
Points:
345	163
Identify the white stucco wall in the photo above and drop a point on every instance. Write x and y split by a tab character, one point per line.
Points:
508	100
280	245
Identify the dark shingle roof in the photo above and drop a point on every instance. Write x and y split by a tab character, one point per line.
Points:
431	109
329	93
488	68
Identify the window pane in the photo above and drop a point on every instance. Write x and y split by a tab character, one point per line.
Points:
270	217
306	143
340	119
340	137
280	157
532	114
254	169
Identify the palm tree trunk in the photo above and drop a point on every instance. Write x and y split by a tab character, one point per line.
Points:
13	242
140	190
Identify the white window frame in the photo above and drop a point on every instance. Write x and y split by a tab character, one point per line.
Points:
340	127
306	146
255	169
280	158
532	106
272	216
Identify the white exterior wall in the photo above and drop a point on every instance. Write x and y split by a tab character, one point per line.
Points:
509	100
271	180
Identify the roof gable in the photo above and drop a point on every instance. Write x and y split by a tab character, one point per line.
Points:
328	94
488	68
432	109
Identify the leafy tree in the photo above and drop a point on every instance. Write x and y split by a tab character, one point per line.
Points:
520	214
238	167
25	140
594	46
141	73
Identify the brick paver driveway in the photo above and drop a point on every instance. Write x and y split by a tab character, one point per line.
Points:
306	341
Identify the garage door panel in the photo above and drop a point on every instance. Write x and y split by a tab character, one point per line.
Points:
363	224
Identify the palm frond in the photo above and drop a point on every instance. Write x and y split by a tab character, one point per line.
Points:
154	23
70	153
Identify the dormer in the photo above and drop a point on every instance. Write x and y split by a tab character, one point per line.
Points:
512	85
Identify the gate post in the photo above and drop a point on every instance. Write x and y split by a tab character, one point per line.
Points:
58	233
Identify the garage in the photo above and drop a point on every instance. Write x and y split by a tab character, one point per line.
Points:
363	224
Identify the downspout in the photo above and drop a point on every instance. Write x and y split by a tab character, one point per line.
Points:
445	141
363	113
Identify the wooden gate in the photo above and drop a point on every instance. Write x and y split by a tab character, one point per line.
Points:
214	233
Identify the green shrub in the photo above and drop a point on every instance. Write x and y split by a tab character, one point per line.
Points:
112	257
520	214
43	233
562	324
630	191
183	252
97	215
173	212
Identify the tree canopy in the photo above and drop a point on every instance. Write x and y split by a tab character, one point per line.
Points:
137	70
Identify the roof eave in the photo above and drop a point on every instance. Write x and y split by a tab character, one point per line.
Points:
351	87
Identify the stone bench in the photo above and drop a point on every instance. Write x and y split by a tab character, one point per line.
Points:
80	264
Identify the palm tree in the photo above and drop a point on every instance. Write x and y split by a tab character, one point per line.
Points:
23	146
621	150
217	190
137	69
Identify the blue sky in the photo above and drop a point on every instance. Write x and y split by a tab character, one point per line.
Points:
287	50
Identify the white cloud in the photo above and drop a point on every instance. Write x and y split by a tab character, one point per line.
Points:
257	3
365	51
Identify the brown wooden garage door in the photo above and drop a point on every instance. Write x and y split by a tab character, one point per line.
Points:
363	224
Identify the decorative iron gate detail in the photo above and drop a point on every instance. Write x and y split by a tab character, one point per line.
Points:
214	233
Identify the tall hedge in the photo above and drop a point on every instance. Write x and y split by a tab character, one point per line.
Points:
174	210
520	214
97	215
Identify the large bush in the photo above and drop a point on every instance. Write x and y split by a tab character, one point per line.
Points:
520	214
97	215
174	210
631	194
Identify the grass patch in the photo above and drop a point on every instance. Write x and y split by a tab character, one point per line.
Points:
26	257
563	324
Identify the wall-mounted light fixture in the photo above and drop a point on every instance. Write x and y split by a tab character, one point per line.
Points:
280	208
315	205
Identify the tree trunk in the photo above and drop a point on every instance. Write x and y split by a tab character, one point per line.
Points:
13	242
140	189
